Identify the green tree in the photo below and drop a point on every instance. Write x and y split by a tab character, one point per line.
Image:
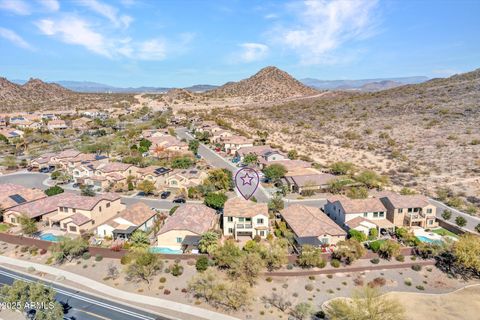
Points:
342	168
139	239
477	228
247	267
22	292
193	146
202	264
55	174
67	249
28	225
365	304
215	200
10	162
467	252
357	235
52	191
275	171
146	186
219	179
3	139
292	154
447	214
357	193
144	145
87	191
227	254
406	191
302	311
311	257
181	163
275	254
460	221
372	234
250	159
336	186
208	242
276	204
144	266
371	179
389	249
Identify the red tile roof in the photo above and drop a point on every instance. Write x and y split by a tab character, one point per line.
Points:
196	218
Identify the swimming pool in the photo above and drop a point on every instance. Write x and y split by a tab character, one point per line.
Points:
49	237
163	250
428	240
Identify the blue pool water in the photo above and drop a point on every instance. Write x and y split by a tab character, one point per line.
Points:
165	250
428	240
49	237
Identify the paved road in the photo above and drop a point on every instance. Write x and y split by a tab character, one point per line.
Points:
27	179
83	306
472	222
215	160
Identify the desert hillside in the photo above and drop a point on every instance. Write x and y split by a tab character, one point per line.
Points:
269	84
38	95
423	136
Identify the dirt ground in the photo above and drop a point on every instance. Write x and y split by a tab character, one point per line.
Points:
461	304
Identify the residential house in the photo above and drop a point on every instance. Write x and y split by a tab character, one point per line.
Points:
218	135
138	216
12	195
358	214
304	179
56	125
79	213
124	169
233	143
179	180
157	175
185	227
42	161
60	160
311	226
34	125
167	144
10	133
85	159
245	218
409	210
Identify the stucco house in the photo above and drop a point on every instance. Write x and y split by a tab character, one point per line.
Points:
311	226
350	213
78	213
57	125
186	226
245	218
179	180
304	179
233	143
154	174
138	216
12	195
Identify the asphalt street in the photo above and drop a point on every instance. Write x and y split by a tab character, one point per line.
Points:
79	305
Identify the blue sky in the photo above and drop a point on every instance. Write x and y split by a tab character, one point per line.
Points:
180	43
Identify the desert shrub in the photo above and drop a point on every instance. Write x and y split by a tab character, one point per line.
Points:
357	235
289	266
43	251
420	287
358	282
309	287
335	263
166	292
126	259
269	279
177	270
408	282
86	255
162	280
377	282
416	267
375	260
400	258
202	264
98	257
375	245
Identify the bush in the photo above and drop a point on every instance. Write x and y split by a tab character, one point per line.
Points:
309	287
30	269
162	280
289	266
86	255
416	267
269	279
177	270
460	221
377	282
357	235
419	287
202	264
408	282
375	245
375	261
43	251
335	263
446	214
98	257
166	292
400	258
126	259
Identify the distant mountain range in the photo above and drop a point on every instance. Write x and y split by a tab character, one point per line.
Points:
362	84
95	87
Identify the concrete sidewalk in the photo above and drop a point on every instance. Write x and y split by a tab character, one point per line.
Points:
119	294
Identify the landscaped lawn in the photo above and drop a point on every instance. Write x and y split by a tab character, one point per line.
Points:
4	227
444	232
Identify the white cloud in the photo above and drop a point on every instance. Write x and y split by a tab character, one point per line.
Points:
253	51
323	26
271	16
74	30
154	49
13	37
50	5
19	7
109	12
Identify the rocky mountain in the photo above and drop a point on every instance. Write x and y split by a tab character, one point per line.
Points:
36	94
360	83
380	85
269	84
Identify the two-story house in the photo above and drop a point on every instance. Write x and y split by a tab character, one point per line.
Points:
245	218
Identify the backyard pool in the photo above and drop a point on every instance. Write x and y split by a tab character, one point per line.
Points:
49	237
429	240
165	250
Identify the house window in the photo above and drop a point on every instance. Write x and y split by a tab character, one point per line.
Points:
108	205
324	240
13	220
430	222
429	210
241	219
230	219
259	221
74	210
375	214
73	228
100	208
410	210
400	210
381	214
230	230
179	239
365	214
61	209
248	219
262	233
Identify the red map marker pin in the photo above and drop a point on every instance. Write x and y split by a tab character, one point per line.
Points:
246	182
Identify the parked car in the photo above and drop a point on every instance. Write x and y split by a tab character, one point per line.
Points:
29	168
179	200
49	169
165	194
76	185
